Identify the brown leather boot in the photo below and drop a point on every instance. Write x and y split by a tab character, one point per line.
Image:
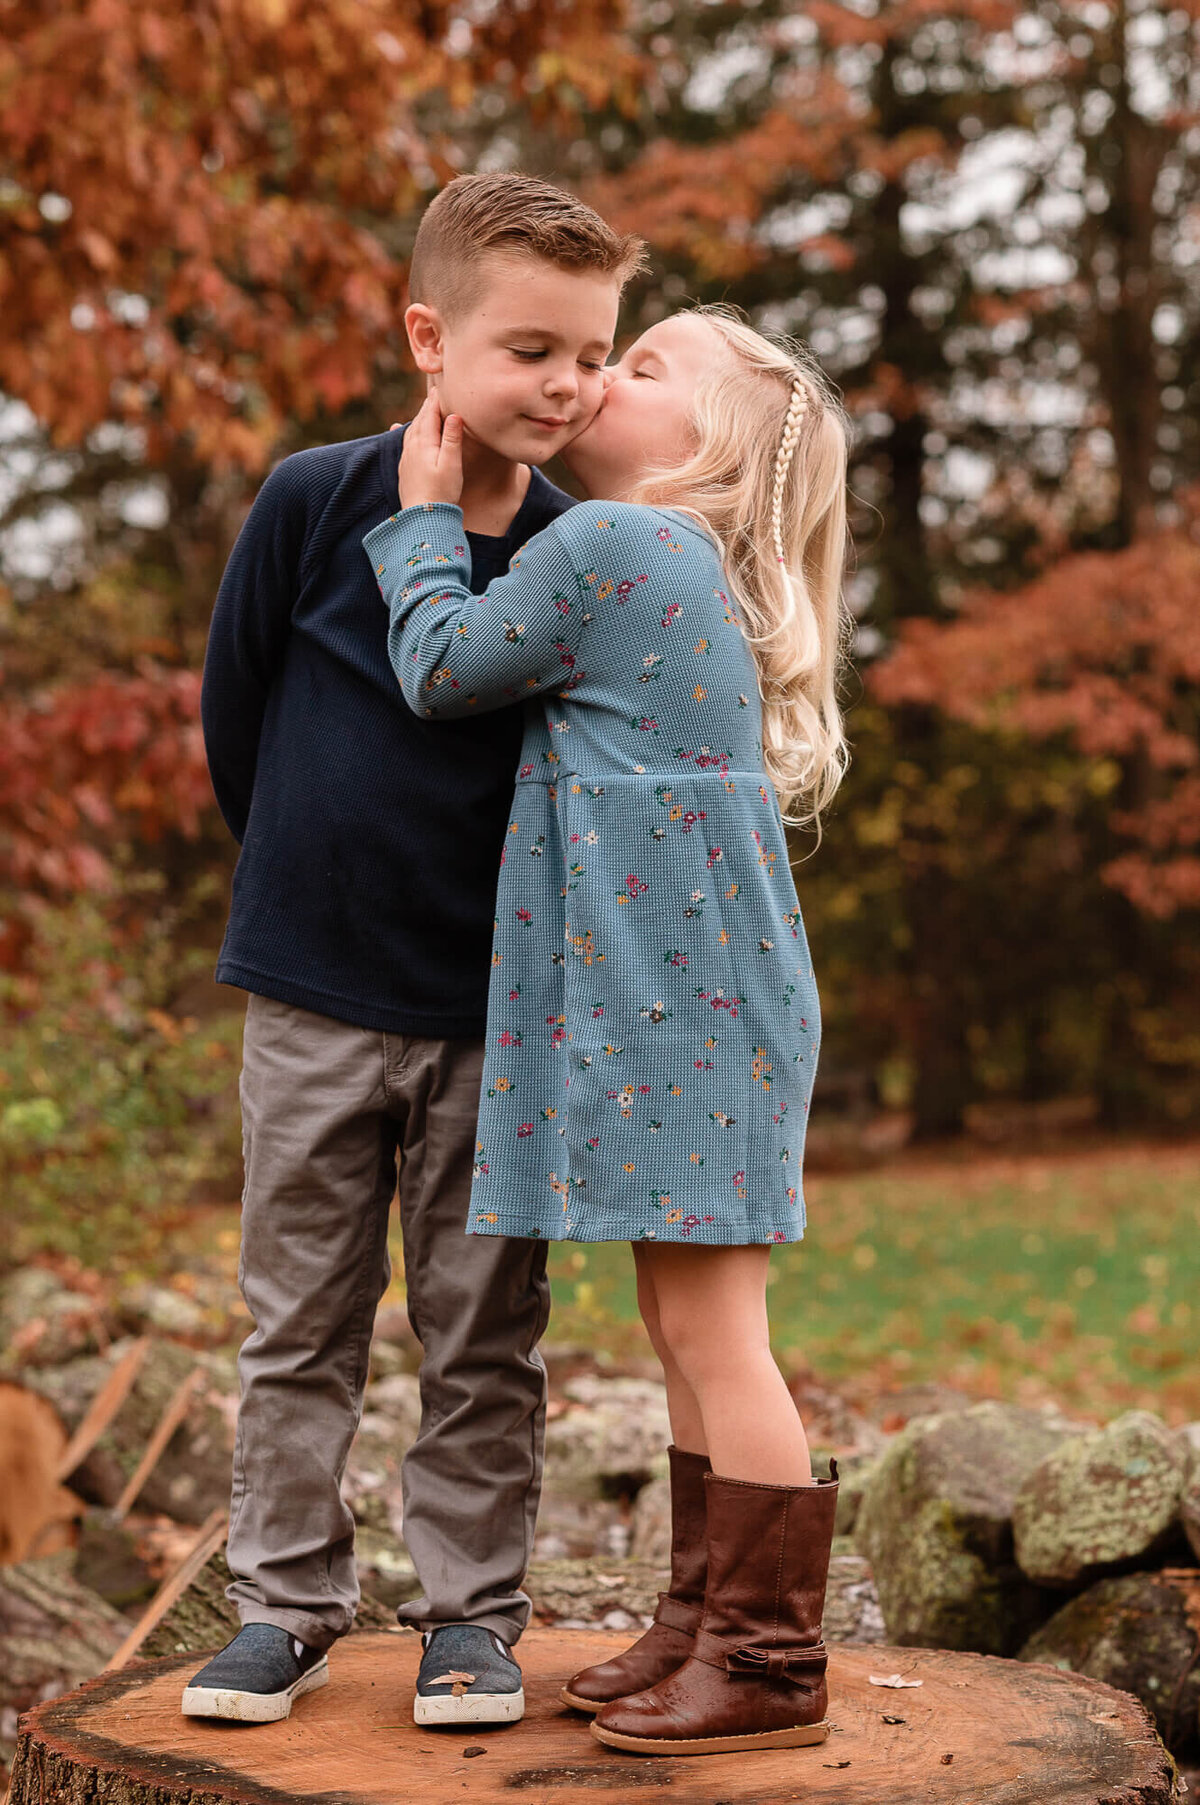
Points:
668	1641
755	1678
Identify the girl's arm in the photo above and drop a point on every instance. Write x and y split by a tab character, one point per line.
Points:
456	653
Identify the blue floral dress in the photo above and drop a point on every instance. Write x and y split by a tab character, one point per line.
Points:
652	1015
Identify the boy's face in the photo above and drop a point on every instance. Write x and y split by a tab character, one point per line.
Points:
524	365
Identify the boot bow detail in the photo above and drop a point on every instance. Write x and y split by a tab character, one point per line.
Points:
776	1663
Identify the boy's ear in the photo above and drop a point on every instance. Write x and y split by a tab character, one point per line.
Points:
423	325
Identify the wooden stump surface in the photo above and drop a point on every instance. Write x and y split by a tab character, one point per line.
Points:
1014	1733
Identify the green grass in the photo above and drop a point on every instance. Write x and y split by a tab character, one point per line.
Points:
1074	1276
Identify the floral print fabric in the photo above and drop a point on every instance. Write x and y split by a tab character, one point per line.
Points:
653	1022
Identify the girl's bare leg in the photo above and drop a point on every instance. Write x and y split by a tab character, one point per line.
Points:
709	1310
687	1425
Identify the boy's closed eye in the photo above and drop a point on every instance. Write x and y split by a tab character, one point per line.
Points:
530	356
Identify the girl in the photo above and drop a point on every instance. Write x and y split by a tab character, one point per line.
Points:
652	1017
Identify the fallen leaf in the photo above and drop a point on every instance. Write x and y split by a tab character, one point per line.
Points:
889	1719
891	1679
946	1760
843	1763
454	1678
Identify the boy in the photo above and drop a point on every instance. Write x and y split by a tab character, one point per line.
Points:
361	925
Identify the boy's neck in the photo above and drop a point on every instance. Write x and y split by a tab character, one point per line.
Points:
493	489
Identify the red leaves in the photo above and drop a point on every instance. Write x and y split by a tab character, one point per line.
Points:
1104	649
117	757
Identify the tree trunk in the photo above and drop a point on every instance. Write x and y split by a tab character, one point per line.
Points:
977	1729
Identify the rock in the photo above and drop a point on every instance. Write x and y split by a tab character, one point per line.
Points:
650	1533
385	1568
1133	1632
581	1593
854	1472
1101	1503
852	1612
43	1323
192	1476
578	1528
388	1429
388	1358
397	1397
830	1421
371	1481
929	1397
612	1442
935	1524
1189	1505
392	1326
166	1312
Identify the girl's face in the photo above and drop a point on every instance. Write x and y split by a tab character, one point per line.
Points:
643	420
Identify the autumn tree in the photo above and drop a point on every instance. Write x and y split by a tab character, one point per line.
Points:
205	214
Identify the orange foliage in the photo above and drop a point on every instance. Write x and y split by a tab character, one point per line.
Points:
1105	649
702	202
184	220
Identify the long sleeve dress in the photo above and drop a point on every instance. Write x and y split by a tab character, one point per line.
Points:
653	1022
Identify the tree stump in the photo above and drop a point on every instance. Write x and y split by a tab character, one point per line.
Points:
978	1731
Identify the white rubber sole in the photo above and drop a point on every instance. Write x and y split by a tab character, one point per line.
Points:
470	1708
252	1707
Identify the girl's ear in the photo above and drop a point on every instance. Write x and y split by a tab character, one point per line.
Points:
424	328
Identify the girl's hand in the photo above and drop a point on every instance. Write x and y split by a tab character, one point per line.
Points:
431	461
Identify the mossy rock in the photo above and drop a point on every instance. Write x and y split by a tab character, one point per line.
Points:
1133	1632
854	1472
934	1523
1102	1503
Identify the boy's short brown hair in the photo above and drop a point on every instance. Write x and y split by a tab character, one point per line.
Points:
477	214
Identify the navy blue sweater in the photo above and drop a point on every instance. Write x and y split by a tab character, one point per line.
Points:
371	839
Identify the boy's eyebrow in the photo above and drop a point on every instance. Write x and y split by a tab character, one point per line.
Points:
528	331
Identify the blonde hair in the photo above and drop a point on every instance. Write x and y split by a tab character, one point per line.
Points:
767	478
478	215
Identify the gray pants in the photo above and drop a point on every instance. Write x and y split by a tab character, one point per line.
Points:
329	1114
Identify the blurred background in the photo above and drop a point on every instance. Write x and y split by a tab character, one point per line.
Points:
983	217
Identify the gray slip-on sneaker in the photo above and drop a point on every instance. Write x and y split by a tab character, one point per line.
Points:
468	1676
255	1678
